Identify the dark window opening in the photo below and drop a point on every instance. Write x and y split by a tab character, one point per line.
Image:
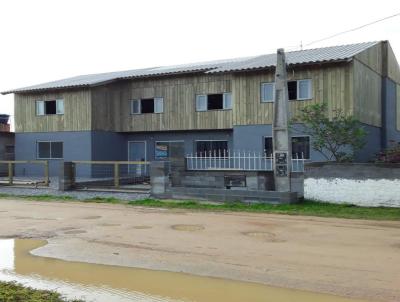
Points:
50	150
215	101
292	90
268	148
300	147
50	107
147	105
213	148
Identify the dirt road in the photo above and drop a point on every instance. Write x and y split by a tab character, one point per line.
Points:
353	258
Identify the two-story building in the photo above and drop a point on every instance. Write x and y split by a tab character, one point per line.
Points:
219	105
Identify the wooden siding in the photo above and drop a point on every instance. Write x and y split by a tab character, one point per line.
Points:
331	84
398	106
111	106
367	94
76	117
393	66
372	57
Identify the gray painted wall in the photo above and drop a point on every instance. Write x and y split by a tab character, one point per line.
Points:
77	146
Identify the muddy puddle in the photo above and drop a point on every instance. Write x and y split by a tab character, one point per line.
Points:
94	282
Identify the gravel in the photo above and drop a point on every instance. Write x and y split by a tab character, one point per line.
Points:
80	195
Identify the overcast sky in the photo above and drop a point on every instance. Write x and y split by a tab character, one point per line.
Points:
45	40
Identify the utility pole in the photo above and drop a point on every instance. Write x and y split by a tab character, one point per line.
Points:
280	127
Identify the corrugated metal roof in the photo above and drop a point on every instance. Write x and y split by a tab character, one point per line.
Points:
307	56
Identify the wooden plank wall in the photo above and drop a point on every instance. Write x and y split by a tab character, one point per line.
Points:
111	106
367	94
331	84
77	113
398	106
393	66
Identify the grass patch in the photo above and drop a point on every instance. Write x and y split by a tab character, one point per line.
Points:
14	292
307	207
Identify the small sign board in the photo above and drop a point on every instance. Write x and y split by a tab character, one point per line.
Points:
235	181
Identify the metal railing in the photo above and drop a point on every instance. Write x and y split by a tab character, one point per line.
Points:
24	172
237	160
113	174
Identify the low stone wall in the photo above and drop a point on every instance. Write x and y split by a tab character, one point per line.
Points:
360	184
172	180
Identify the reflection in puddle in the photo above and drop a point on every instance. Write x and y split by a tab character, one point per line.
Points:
94	282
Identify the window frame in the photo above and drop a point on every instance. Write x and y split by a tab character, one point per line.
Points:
155	100
224	97
42	107
310	90
273	92
43	104
139	106
309	145
49	158
161	101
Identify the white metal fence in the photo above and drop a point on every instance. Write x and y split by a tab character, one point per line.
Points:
237	160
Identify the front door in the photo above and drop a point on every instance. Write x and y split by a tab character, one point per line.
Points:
137	152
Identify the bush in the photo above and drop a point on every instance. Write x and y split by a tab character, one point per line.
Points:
389	155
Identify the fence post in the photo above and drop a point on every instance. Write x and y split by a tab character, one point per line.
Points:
116	175
10	173
46	173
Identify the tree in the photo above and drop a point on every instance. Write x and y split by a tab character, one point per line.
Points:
337	138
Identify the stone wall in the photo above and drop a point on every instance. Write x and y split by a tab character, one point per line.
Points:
360	184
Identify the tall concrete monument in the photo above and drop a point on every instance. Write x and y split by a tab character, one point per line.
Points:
280	127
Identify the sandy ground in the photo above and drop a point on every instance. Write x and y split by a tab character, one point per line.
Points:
354	258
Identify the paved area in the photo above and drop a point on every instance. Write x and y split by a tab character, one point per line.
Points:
353	258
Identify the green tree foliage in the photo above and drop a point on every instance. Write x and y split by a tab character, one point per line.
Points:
336	139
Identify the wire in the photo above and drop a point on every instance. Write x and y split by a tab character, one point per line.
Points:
353	29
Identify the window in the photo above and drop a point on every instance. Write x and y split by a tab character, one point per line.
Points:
267	92
300	146
151	105
204	148
50	107
300	90
201	102
49	150
167	149
135	107
216	101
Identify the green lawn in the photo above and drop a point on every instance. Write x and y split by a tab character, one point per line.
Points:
307	207
14	292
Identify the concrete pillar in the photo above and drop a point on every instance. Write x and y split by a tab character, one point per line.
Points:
66	179
159	178
280	127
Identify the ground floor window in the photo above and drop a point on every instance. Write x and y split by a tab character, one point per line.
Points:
300	146
163	150
205	148
49	150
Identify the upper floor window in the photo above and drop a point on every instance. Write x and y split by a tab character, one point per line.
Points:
215	101
49	150
297	90
300	146
151	105
50	107
267	92
300	90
